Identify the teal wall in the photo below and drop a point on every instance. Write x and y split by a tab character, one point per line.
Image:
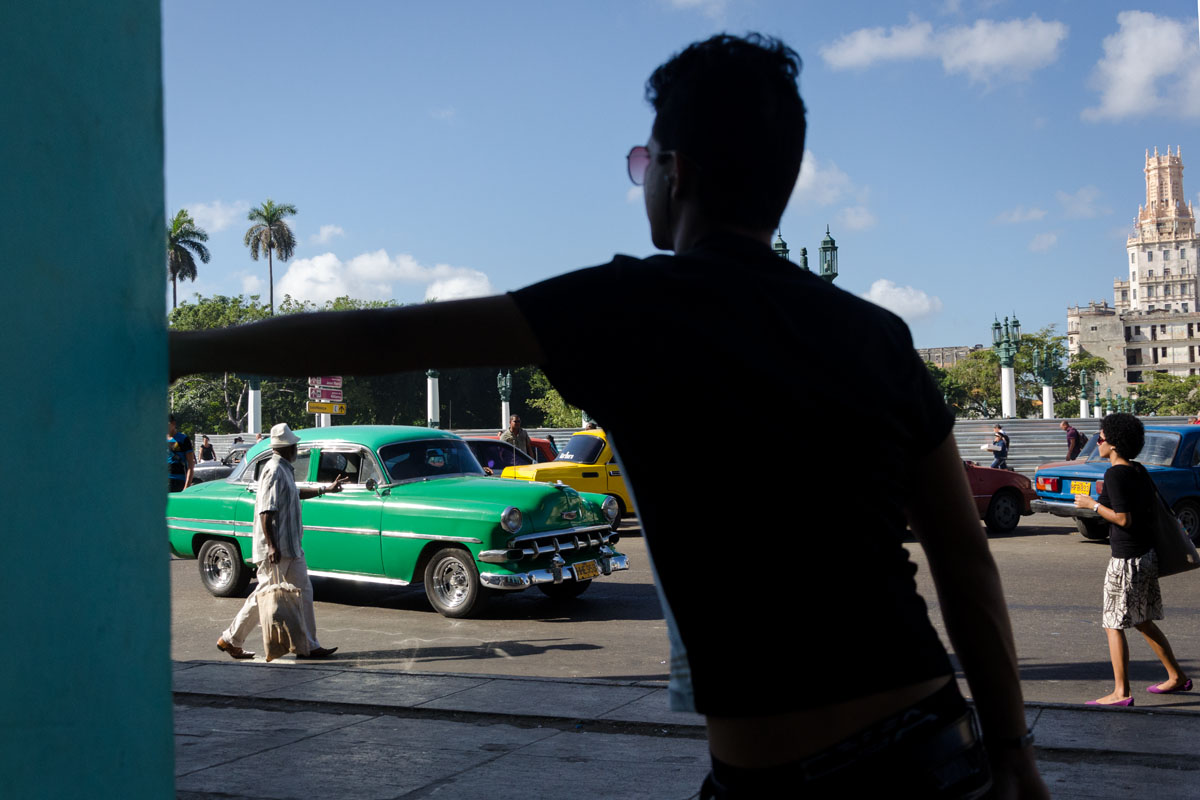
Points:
84	592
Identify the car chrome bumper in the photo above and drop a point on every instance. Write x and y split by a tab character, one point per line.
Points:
556	574
1060	508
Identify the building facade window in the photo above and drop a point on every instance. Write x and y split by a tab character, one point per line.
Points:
1149	256
1166	255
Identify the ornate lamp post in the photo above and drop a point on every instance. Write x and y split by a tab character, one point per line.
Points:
1133	398
504	385
1046	370
1005	340
1083	394
433	404
780	247
1096	400
828	263
1108	401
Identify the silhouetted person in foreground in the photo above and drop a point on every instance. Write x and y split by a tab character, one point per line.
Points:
869	705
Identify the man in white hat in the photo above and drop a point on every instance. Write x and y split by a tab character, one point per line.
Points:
277	535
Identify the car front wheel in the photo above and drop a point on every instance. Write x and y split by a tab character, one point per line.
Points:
452	583
1003	514
222	570
1188	514
1092	528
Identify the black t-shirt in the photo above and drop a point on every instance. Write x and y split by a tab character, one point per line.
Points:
178	446
759	541
1128	490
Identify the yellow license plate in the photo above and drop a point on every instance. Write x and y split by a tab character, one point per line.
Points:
1081	487
586	570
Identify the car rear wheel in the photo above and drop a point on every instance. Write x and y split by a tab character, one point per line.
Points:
567	590
452	583
1003	513
222	570
1092	528
1188	514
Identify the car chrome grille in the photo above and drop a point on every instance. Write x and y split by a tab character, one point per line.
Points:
571	541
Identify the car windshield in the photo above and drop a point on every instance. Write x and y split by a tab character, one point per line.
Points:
1159	450
498	455
582	449
436	458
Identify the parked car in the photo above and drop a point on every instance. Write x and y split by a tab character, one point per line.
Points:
1002	496
585	462
494	455
1170	455
416	508
543	449
213	470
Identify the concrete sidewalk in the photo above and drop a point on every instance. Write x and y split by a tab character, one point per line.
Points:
325	731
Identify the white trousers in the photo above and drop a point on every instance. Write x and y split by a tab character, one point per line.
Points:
295	572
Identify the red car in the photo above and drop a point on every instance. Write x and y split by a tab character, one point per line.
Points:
1002	496
544	450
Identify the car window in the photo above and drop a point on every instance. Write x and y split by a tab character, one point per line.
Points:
498	455
1159	449
357	466
582	449
436	458
248	471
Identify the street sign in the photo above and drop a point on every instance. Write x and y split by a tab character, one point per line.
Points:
325	408
328	381
322	394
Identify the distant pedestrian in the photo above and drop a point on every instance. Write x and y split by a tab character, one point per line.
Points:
516	436
1000	440
1132	598
181	458
1075	440
206	451
277	539
238	440
258	438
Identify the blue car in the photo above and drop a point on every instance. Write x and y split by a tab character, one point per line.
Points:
1171	456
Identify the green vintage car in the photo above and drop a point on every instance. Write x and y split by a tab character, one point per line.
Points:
416	507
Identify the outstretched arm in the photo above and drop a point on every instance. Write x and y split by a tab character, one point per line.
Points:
946	522
485	331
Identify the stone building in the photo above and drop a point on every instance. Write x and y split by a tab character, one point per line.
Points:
946	357
1153	323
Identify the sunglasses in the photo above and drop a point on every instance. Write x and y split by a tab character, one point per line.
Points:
1100	438
637	161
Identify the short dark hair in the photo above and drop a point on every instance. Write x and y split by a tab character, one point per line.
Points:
731	105
1124	433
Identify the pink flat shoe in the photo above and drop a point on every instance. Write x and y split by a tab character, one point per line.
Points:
1128	701
1187	687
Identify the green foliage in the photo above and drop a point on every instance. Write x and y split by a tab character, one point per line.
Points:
556	412
184	240
974	385
1167	395
271	234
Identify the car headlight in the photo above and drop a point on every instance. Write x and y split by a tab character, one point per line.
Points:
610	508
511	520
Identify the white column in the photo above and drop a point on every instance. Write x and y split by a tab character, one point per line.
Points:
1008	393
505	413
1083	409
1096	412
432	412
1047	402
324	420
254	409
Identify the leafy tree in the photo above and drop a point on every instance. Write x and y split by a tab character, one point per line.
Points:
270	234
184	240
977	378
1169	394
556	412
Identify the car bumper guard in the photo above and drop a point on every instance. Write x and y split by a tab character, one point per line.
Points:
558	572
1061	508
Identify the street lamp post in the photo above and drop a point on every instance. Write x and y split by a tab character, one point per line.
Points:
433	402
1083	394
504	386
1108	401
1005	339
1096	400
1046	370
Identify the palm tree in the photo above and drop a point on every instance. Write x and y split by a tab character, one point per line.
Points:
184	239
271	234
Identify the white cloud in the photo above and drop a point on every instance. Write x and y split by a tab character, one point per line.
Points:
327	233
1020	214
1082	204
378	276
1043	242
634	195
218	215
253	284
709	8
987	50
445	114
856	218
1150	65
906	302
822	184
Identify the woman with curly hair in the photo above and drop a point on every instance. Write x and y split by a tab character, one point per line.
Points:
1131	595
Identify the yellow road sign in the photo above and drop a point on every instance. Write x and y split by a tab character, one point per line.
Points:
325	408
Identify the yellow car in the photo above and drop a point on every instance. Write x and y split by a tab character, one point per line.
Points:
586	464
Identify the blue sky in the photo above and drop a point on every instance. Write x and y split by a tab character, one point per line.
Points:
971	157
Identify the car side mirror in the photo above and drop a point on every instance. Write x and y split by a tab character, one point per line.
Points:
371	485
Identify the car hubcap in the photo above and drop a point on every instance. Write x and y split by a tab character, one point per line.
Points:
1190	520
218	566
1006	512
451	582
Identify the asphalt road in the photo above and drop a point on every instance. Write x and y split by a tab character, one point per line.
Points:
615	631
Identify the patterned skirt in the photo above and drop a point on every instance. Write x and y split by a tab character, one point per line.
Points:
1131	593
